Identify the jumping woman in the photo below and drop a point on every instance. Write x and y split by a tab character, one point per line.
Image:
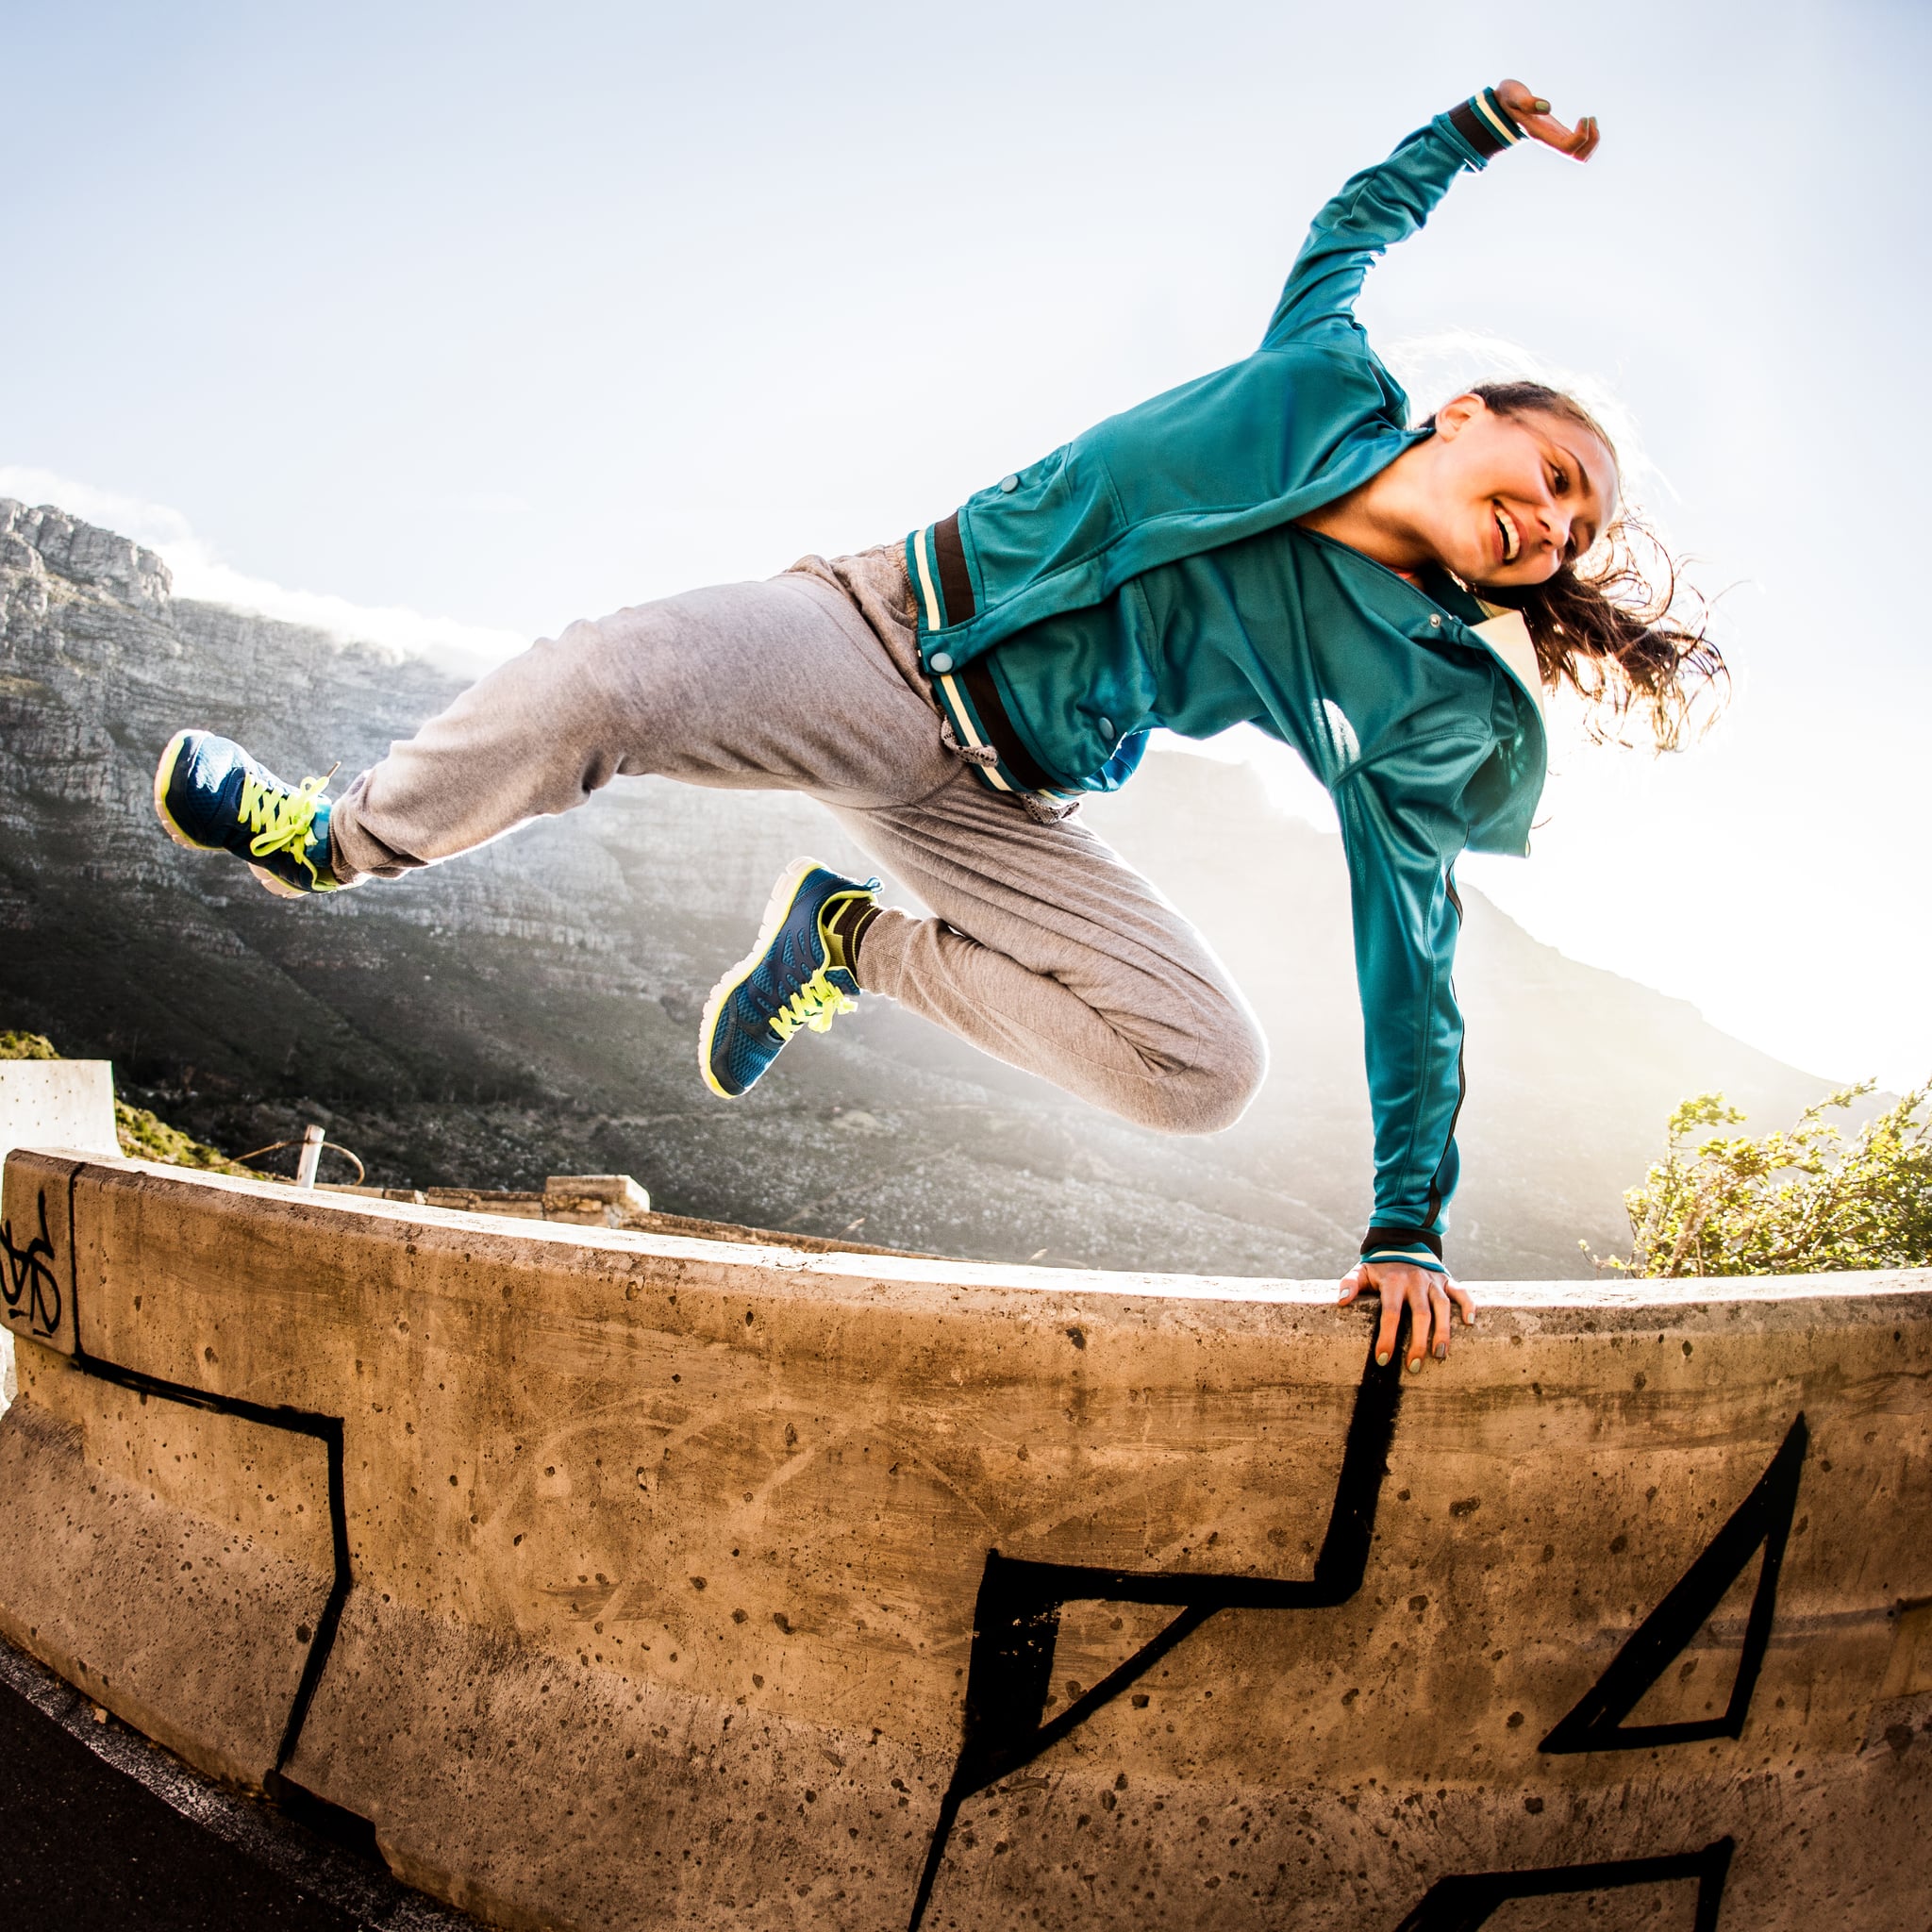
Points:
1271	544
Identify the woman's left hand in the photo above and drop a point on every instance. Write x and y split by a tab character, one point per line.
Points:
1531	113
1427	1296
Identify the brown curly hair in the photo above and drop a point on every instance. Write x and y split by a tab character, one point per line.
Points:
1618	625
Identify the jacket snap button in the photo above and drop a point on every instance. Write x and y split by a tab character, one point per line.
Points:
1106	728
942	662
1435	624
1009	484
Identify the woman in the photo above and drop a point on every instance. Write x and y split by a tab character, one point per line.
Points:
1271	543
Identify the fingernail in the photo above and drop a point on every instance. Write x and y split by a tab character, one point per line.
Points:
1415	1365
1539	107
1382	1361
1441	1351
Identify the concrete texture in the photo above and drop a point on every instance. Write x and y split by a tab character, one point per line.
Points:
671	1598
195	1521
49	1104
58	1104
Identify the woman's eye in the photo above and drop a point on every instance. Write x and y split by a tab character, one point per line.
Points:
1559	480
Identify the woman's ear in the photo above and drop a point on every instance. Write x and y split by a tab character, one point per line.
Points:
1456	415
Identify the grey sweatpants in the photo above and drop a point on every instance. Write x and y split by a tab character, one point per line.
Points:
1045	948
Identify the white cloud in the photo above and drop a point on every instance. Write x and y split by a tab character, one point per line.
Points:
200	574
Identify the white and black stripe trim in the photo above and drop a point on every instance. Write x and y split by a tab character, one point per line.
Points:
920	545
1412	1257
1483	122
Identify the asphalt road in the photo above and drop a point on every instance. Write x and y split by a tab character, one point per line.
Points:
105	1832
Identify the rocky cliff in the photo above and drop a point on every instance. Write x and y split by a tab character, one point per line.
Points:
532	1009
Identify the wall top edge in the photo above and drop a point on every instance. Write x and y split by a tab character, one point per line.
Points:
1902	1289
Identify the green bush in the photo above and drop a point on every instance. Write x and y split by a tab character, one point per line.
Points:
145	1136
142	1136
1793	1202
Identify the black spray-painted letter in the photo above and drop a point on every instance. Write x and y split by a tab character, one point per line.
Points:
1016	1618
1465	1901
30	1275
1763	1518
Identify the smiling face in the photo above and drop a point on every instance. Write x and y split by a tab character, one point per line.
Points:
1514	498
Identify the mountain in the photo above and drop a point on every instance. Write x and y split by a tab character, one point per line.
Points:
532	1009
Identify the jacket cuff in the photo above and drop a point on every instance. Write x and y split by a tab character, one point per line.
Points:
1418	1246
1482	123
1410	1258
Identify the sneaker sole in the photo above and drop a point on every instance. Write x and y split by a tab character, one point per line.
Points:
778	909
280	888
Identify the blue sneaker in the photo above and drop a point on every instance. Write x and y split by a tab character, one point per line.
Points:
797	975
211	796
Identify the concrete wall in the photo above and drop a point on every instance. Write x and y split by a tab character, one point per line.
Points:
623	1580
52	1104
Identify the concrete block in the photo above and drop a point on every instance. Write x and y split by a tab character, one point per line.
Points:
58	1104
595	1200
171	1561
46	1104
700	1585
615	1190
36	1250
517	1206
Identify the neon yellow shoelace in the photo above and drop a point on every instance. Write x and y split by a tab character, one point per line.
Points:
282	819
816	1004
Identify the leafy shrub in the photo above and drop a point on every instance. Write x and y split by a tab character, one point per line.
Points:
1795	1202
145	1136
142	1136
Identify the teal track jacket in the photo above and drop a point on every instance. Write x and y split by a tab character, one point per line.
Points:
1148	574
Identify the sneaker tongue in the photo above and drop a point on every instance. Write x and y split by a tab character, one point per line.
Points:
832	924
843	926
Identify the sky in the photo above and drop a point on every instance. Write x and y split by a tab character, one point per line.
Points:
449	324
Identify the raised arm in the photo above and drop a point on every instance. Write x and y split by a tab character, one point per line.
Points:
1388	203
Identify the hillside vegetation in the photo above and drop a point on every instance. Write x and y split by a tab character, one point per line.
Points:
144	1135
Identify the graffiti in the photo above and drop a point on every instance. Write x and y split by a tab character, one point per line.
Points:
1016	1618
318	1814
1465	1901
1763	1519
1016	1623
1027	1615
30	1278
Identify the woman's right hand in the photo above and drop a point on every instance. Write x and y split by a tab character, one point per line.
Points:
1531	113
1426	1294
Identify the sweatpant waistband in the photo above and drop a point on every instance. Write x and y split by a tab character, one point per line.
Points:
971	702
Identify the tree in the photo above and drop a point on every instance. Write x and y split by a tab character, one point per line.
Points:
1793	1202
